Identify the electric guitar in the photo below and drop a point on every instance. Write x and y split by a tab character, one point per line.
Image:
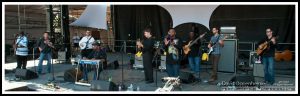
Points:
263	47
139	53
211	49
187	49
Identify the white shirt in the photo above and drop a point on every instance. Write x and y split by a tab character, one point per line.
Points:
89	43
76	39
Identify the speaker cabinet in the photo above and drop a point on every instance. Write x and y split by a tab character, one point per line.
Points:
186	77
101	85
228	58
25	74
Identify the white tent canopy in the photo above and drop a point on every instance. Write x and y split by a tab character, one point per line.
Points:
190	13
93	16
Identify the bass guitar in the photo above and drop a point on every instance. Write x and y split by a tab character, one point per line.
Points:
187	49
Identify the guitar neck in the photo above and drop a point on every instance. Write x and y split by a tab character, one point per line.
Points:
197	39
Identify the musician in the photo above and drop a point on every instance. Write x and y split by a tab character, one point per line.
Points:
147	49
76	40
194	54
216	43
268	56
45	47
86	44
172	46
21	50
98	53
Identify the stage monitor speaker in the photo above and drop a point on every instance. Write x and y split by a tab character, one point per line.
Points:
186	77
243	80
70	75
25	74
101	85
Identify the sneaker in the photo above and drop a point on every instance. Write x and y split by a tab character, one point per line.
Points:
212	80
83	81
198	79
17	79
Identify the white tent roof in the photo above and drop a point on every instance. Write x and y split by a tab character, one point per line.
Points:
190	13
93	16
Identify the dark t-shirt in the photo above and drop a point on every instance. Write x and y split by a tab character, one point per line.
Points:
97	54
148	45
45	47
269	52
194	48
169	56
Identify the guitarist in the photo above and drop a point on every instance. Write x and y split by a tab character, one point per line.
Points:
148	49
216	42
194	54
172	46
268	56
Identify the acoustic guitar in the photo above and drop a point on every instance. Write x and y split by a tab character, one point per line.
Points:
263	47
187	49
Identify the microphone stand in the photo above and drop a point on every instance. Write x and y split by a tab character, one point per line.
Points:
52	82
155	58
122	51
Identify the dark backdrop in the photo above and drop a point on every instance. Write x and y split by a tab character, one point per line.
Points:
250	20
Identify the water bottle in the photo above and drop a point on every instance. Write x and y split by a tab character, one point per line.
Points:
130	88
137	88
120	88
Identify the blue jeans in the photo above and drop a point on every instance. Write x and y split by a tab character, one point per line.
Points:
194	63
173	70
40	66
269	69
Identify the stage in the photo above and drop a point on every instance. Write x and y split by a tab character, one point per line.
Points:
131	76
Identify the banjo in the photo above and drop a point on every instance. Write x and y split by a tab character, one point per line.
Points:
84	45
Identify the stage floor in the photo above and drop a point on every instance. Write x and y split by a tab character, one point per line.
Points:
131	76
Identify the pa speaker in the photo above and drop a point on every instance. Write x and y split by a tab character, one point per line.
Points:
25	74
70	75
186	77
100	85
112	65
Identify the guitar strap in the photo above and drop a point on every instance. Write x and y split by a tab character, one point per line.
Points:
87	42
216	41
19	41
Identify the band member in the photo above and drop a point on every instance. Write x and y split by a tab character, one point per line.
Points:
147	49
86	44
21	50
76	40
268	56
98	53
216	42
172	46
45	47
194	55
